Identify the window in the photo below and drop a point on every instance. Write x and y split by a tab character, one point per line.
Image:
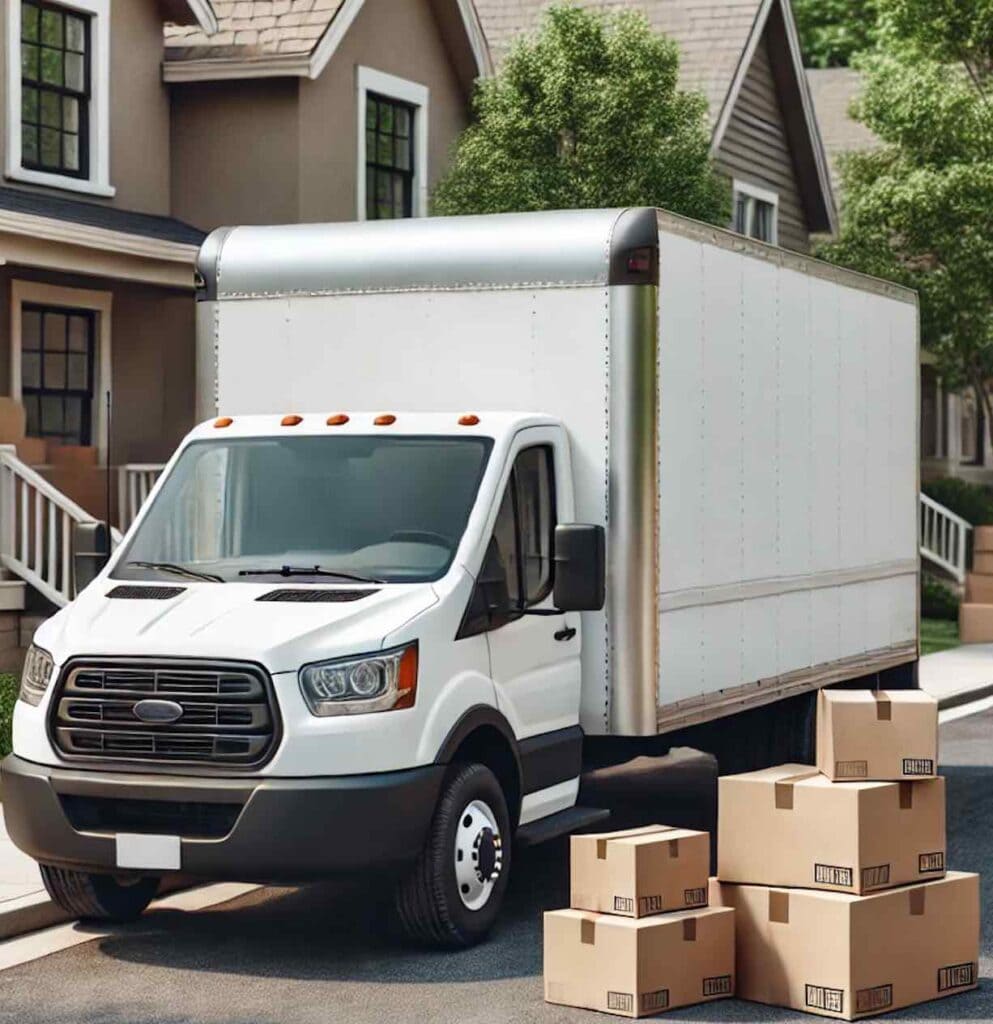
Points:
55	89
392	147
756	212
57	350
389	154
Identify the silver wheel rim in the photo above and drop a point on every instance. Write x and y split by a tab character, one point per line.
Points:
478	854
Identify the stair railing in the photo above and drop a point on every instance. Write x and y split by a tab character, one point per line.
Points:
943	538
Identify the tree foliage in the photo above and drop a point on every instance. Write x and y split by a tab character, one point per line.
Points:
586	113
833	31
919	209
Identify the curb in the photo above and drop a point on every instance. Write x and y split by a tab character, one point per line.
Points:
960	697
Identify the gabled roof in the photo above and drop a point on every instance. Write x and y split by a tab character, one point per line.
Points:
717	40
833	91
269	38
189	12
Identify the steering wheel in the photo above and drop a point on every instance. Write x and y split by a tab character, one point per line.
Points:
422	537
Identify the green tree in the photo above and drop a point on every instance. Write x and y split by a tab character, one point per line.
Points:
586	113
833	31
919	210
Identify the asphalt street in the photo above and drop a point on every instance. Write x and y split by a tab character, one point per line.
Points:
324	953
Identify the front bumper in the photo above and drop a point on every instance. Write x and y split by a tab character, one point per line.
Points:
284	830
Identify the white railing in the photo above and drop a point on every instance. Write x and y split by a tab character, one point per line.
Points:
36	525
943	537
134	483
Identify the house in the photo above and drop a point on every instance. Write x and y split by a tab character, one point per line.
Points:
954	436
744	56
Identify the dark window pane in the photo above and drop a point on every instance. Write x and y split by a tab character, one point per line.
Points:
51	28
384	151
505	538
51	148
79	332
74	420
78	367
30	370
55	332
29	144
70	152
536	514
52	421
29	61
29	104
370	146
386	117
70	114
75	34
403	155
370	114
763	220
31	411
55	370
370	193
51	109
398	196
402	122
51	66
741	214
383	187
75	73
30	329
29	21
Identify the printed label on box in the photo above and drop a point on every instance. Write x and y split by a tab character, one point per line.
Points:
851	769
695	897
872	877
918	766
623	905
869	999
821	998
719	985
653	1001
956	976
831	874
621	1001
930	862
650	904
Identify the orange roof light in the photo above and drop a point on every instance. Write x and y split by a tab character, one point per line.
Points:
339	420
469	420
224	421
386	420
291	421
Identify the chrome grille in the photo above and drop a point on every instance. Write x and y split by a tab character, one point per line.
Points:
228	719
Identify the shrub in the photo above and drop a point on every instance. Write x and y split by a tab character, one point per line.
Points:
973	502
8	694
938	601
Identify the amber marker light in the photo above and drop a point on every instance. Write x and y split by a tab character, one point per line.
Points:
224	421
291	421
469	420
338	420
386	420
407	679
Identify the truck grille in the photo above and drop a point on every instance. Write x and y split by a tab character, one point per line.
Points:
228	713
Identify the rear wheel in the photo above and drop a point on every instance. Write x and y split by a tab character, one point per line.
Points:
454	892
99	897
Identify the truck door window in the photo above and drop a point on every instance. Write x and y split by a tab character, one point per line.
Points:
534	478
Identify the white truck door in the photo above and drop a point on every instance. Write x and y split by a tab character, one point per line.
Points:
535	658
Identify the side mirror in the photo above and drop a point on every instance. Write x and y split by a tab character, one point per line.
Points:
90	552
580	568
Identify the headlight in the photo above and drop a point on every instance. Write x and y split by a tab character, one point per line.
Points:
36	675
372	682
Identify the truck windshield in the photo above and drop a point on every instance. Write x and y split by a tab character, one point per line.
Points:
389	509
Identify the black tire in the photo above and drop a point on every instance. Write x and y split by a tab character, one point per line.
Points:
428	900
98	897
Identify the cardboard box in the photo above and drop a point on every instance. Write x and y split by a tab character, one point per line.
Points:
882	735
854	956
635	968
640	871
978	589
982	538
982	562
790	826
976	623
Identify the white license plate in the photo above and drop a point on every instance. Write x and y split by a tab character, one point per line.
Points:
148	853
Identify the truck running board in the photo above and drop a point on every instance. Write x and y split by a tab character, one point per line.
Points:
570	820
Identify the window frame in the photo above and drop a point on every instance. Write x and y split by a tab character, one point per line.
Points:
753	194
370	82
97	117
407	174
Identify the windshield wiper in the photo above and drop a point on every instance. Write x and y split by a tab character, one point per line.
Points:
179	570
303	570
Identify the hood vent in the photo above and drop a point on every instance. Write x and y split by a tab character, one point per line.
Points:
146	593
317	596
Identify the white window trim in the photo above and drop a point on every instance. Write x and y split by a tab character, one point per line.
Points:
763	195
101	303
98	183
417	95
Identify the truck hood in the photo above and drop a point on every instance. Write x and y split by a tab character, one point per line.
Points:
229	621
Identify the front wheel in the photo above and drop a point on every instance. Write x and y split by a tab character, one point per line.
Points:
453	894
98	897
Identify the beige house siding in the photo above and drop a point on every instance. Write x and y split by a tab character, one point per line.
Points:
755	149
402	40
235	152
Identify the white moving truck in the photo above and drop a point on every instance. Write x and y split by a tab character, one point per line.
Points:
471	496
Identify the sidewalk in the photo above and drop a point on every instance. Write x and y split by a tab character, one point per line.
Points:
955	677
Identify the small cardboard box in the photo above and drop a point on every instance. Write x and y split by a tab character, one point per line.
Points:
790	826
854	956
883	735
640	871
635	968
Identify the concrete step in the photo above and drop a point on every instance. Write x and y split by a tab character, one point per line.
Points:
975	623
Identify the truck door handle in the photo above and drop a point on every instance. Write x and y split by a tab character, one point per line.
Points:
567	633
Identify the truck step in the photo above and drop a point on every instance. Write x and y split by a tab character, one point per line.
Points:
572	819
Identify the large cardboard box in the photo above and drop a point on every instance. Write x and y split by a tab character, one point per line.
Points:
884	735
791	826
640	871
854	956
638	967
976	622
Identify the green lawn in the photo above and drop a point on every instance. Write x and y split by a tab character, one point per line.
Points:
938	635
8	694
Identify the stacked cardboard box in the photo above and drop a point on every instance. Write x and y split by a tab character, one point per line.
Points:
843	905
976	611
639	937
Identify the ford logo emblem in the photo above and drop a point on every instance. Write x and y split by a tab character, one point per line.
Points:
158	712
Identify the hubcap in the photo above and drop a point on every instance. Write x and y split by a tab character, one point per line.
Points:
478	854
